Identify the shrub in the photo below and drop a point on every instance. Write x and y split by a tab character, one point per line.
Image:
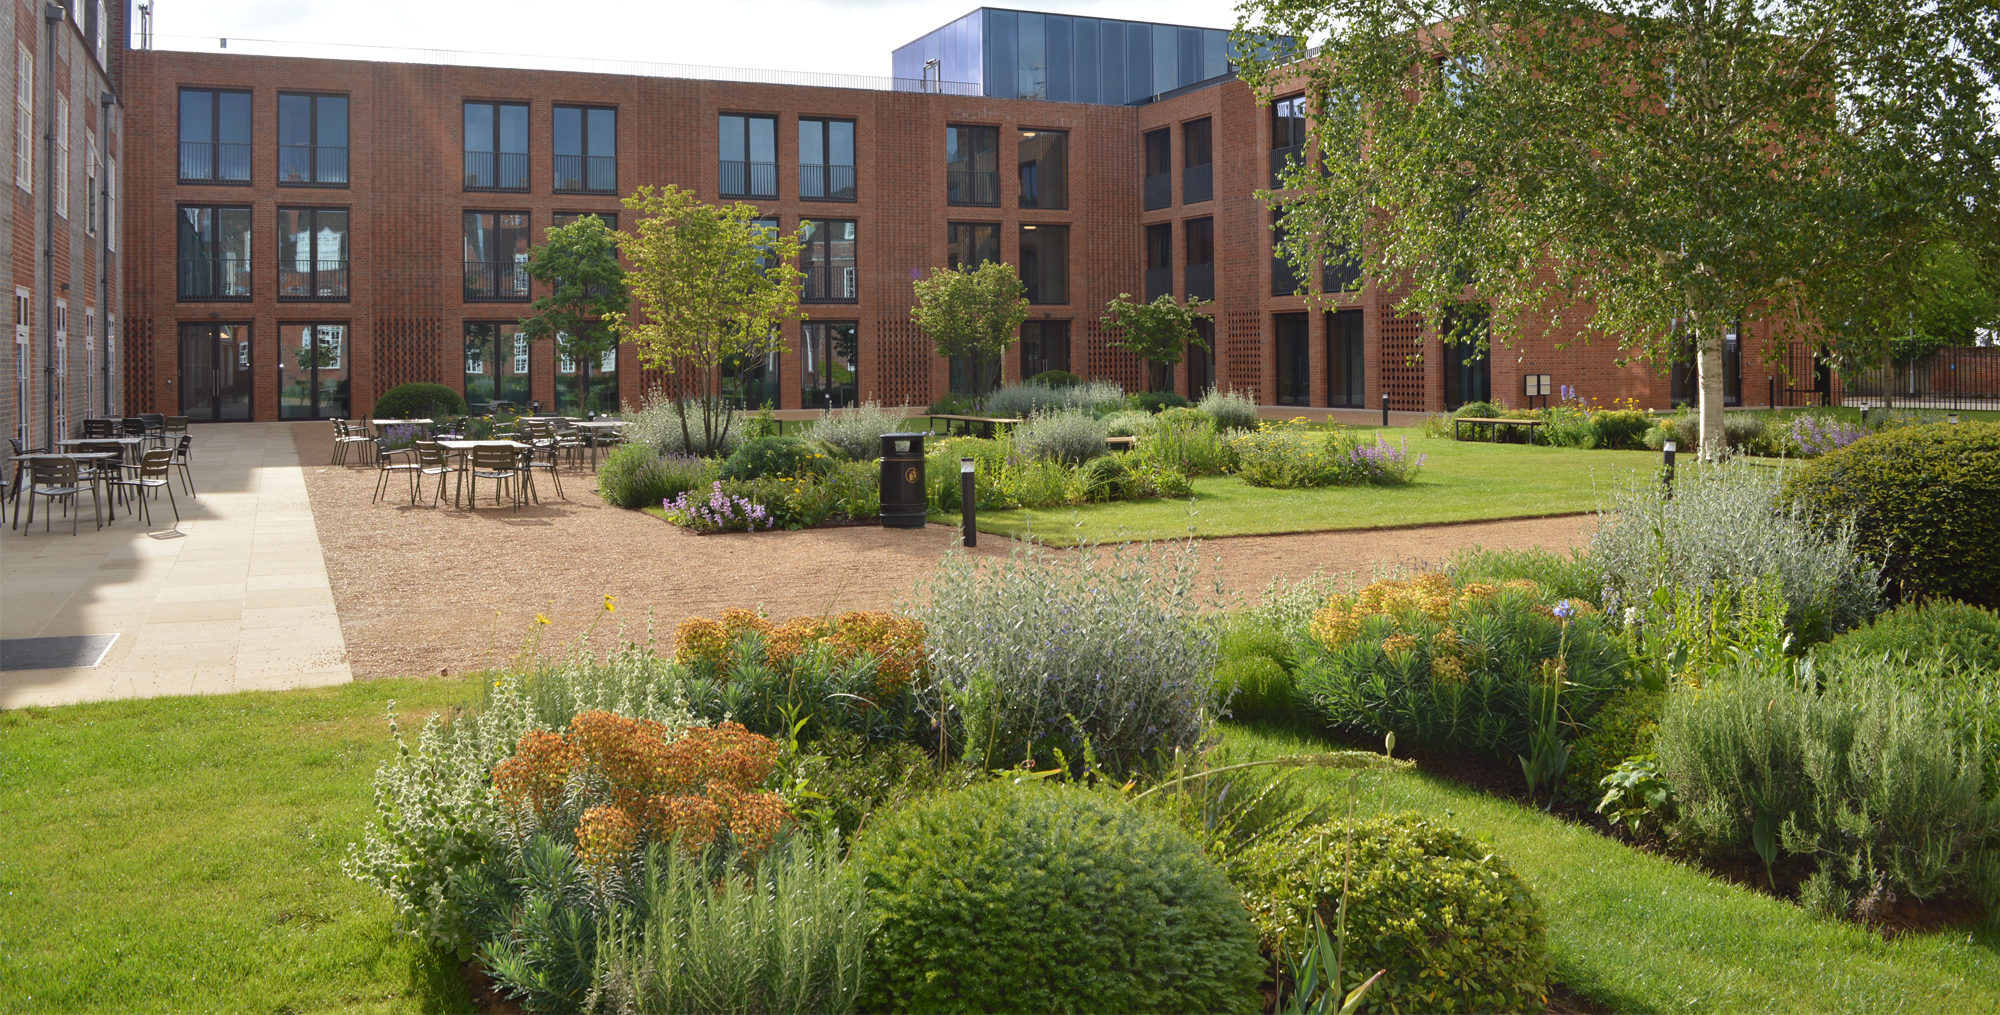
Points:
1071	438
1809	435
1382	463
857	433
1041	651
673	427
1024	400
719	511
1469	669
860	673
1287	456
1454	926
1155	401
1560	576
1926	499
777	456
846	778
1106	478
1566	426
1254	677
1129	423
953	404
1024	897
1723	530
1188	442
1742	432
1056	379
1621	429
1231	411
847	491
1625	727
632	476
1961	636
419	401
1745	433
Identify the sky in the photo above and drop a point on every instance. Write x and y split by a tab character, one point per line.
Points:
820	36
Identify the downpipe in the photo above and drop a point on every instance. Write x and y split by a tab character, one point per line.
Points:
104	103
52	16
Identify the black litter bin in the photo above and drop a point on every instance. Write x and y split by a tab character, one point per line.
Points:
903	480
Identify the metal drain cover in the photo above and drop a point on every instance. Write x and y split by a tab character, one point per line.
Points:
64	652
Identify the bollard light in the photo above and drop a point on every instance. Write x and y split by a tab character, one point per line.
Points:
1667	457
967	507
1954	419
1385	408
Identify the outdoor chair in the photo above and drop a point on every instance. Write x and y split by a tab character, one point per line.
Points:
176	424
132	426
156	427
346	436
181	460
390	462
151	473
56	479
432	461
499	465
105	470
100	428
570	441
543	458
13	487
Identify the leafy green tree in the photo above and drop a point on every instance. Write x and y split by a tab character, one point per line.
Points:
710	286
1159	332
579	264
972	312
1650	170
1961	305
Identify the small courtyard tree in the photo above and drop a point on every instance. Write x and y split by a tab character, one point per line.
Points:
972	312
1158	332
579	264
710	285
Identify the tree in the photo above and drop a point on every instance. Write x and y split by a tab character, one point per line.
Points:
710	285
1961	306
1651	170
972	312
1159	332
579	264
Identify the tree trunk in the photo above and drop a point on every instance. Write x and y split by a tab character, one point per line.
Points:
1708	378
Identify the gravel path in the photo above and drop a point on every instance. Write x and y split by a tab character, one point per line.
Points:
424	590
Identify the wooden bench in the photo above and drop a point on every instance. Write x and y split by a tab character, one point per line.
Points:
1496	424
1122	443
985	423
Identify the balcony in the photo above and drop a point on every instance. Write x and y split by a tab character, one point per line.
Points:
826	183
1159	282
304	165
1159	190
498	281
830	284
1199	280
1198	184
312	280
586	174
210	278
1279	157
972	186
749	179
214	162
496	170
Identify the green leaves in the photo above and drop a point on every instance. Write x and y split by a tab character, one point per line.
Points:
1160	331
972	312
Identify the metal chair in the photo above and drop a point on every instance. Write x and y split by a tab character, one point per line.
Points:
346	435
13	487
104	470
56	479
151	474
386	465
432	461
132	426
500	465
181	449
100	428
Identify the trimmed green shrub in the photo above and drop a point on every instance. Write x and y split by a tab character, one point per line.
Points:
777	456
1254	677
1071	438
1621	429
1129	423
420	400
1926	499
1056	379
1155	401
1626	726
632	476
1454	926
1106	478
1028	897
1963	636
1231	411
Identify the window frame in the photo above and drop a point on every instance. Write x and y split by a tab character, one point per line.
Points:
314	145
491	350
1021	136
528	133
1041	340
215	261
313	274
826	154
1034	287
346	365
527	227
821	236
807	353
583	111
953	139
749	192
215	141
951	242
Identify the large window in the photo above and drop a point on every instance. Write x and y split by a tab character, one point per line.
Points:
1044	346
496	365
1159	181
1468	375
496	255
829	262
831	372
971	244
1159	261
214	245
826	159
1293	360
1200	270
1201	359
312	371
1045	263
586	150
312	140
563	218
972	165
312	253
496	146
751	382
215	136
1341	272
1288	135
1284	279
1197	161
1346	375
749	155
24	145
1044	156
599	378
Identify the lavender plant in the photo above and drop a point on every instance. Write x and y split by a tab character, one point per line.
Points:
1811	436
1071	438
1384	464
858	432
718	512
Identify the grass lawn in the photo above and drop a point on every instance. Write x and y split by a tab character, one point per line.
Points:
1461	481
1635	932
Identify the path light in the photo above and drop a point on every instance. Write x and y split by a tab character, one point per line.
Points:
965	502
1385	408
1667	456
1954	419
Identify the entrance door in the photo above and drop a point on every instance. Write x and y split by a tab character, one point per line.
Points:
215	372
312	371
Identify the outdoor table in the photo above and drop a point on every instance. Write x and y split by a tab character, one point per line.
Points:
1496	423
595	427
21	467
986	423
547	419
378	424
463	449
130	444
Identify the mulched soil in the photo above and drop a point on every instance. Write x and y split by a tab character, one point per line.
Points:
423	590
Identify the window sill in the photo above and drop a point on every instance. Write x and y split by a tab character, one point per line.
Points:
313	185
214	299
830	200
497	190
213	183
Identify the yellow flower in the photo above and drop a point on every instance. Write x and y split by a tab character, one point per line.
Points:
540	619
610	605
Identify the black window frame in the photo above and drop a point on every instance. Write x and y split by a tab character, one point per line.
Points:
519	271
313	274
1031	178
1159	248
964	188
748	190
1198	178
214	260
1198	239
491	348
1282	269
1287	138
1033	279
951	243
1040	361
314	147
215	144
1156	166
314	408
589	165
1346	358
1293	374
498	156
815	397
829	170
819	234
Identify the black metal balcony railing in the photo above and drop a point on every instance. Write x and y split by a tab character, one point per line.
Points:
826	183
1159	190
972	186
830	284
312	280
214	278
1159	282
586	174
1197	184
1200	281
304	165
749	179
496	280
1279	157
214	162
496	170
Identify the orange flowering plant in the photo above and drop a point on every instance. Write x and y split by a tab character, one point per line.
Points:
864	670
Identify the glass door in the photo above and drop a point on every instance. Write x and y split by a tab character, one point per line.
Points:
312	371
215	372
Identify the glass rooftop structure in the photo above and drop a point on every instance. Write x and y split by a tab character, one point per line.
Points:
1010	54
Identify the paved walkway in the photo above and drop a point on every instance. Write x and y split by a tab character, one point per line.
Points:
239	601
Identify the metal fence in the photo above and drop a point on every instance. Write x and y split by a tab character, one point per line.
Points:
1958	378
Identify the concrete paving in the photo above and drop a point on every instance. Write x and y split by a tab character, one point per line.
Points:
238	600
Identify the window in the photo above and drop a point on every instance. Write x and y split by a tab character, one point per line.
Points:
598	391
24	122
1159	182
1201	359
972	165
215	136
1346	375
826	159
971	244
496	146
312	140
111	204
749	155
1342	270
496	365
563	218
496	255
89	360
1284	281
767	231
1045	263
62	155
1468	374
100	31
214	248
1685	380
829	262
1288	135
90	183
586	147
751	382
832	368
23	300
1159	261
1293	362
1044	346
963	370
312	253
1199	274
1044	156
312	371
1197	161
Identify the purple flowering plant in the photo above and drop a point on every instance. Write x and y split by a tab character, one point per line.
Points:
1811	436
717	512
